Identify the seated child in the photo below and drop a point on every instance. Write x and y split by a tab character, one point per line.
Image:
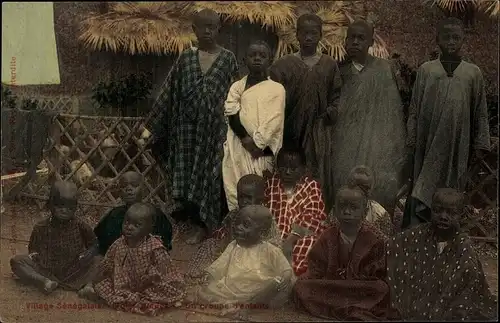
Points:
110	227
250	191
296	202
434	273
362	176
60	247
137	274
346	276
250	270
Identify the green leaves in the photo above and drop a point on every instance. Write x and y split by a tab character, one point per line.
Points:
124	93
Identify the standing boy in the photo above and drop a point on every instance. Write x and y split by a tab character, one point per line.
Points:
191	130
312	83
448	122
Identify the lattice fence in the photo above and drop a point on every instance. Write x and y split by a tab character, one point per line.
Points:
59	104
94	152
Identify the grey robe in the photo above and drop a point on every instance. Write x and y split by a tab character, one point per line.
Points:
370	128
448	116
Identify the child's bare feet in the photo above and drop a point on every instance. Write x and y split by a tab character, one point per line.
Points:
49	286
197	236
88	293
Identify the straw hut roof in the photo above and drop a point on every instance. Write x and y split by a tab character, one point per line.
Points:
139	28
165	27
490	7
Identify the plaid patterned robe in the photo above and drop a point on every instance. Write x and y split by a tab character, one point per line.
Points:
305	209
141	280
189	123
58	246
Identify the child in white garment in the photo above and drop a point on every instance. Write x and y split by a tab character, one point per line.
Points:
250	270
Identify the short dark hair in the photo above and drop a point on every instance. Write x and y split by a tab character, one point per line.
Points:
353	187
309	17
447	22
253	179
291	150
259	42
365	24
55	191
450	192
204	14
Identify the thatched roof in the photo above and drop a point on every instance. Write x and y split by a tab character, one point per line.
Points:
139	27
165	27
490	7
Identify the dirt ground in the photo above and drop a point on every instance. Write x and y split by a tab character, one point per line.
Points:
24	304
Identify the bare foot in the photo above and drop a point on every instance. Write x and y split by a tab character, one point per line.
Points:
88	293
49	286
197	236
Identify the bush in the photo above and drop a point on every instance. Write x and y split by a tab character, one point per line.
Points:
124	93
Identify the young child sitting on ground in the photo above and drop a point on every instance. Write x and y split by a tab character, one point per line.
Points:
60	247
109	229
250	191
137	274
362	176
250	270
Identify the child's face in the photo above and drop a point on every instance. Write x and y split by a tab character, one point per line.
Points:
350	209
290	169
249	194
136	225
446	213
246	231
130	186
450	39
358	41
206	29
257	59
309	35
64	206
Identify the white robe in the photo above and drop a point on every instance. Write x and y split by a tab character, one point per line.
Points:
29	51
240	274
262	114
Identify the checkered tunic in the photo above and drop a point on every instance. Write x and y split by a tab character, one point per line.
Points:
188	120
141	280
305	209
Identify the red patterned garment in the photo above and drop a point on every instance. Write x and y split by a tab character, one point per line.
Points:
305	209
343	284
140	280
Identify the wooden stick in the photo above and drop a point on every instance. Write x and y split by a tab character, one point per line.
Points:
16	175
485	239
90	203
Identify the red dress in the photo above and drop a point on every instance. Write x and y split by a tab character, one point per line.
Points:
305	208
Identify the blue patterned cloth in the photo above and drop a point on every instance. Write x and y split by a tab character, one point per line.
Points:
191	129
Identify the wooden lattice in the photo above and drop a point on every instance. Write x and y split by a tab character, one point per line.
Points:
60	104
79	150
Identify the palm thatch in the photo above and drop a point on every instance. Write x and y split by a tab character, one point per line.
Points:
165	27
490	7
336	16
139	27
273	14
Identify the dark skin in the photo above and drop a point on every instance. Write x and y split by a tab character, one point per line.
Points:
137	225
446	211
362	180
249	193
131	188
350	210
257	60
358	41
309	34
290	170
206	26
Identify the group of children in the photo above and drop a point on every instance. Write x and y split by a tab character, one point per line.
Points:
283	238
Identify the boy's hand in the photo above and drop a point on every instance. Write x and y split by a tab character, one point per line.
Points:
250	146
33	255
87	255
